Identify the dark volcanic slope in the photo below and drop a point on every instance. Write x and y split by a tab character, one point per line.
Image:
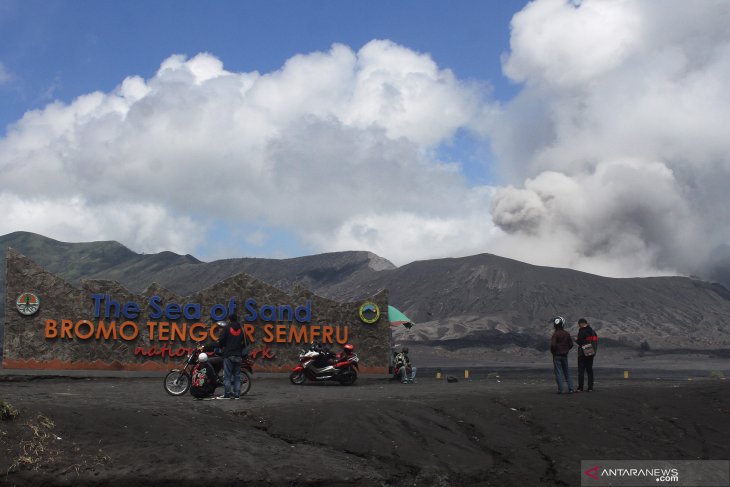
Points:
477	300
492	300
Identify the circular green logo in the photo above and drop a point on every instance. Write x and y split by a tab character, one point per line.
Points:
27	303
369	312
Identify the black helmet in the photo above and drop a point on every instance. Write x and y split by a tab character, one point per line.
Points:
558	322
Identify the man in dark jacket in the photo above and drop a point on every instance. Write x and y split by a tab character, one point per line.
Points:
232	342
587	341
560	345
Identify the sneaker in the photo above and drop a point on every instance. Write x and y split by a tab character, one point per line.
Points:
578	390
237	396
590	390
223	396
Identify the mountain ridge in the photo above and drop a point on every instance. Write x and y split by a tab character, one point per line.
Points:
478	300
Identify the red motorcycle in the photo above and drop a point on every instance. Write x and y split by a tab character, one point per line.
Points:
319	364
177	381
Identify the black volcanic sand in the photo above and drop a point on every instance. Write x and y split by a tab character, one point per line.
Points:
516	432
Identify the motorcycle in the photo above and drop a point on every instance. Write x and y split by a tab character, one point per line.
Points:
177	381
319	364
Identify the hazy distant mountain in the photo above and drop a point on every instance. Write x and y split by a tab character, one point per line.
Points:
477	300
183	274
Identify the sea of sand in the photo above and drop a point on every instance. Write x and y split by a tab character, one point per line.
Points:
504	426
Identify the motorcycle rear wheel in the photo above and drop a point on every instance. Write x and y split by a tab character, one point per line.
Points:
177	383
245	382
297	377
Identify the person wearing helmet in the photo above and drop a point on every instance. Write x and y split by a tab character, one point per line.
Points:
560	345
402	368
347	351
204	378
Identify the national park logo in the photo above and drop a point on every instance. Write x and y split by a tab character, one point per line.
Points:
369	312
27	304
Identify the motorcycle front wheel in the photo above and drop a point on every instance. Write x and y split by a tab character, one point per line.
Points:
297	377
348	378
177	383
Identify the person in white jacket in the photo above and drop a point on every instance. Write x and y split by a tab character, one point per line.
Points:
403	369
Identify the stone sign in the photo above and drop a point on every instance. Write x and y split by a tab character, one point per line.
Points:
50	324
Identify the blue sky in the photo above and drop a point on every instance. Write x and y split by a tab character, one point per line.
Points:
584	134
58	50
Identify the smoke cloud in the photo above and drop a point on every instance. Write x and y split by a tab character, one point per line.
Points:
617	145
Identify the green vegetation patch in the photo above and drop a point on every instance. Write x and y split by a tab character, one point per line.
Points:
7	411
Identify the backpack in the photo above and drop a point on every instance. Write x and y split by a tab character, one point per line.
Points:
199	377
201	384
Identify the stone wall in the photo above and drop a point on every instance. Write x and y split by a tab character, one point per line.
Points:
27	343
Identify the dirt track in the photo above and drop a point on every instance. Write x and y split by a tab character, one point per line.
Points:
483	432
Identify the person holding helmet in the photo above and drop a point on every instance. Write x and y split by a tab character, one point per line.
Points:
402	368
587	341
560	345
204	378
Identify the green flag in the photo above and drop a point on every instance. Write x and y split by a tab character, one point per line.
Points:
397	318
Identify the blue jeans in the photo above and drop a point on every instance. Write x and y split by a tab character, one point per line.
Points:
403	373
562	372
232	376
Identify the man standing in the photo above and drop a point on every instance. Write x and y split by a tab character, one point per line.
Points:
560	345
232	342
587	341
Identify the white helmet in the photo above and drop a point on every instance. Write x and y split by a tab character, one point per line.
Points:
203	357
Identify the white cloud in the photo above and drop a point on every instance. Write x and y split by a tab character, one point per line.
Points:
5	75
405	236
617	144
330	139
560	45
73	219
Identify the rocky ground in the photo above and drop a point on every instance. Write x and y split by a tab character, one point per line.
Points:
506	430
